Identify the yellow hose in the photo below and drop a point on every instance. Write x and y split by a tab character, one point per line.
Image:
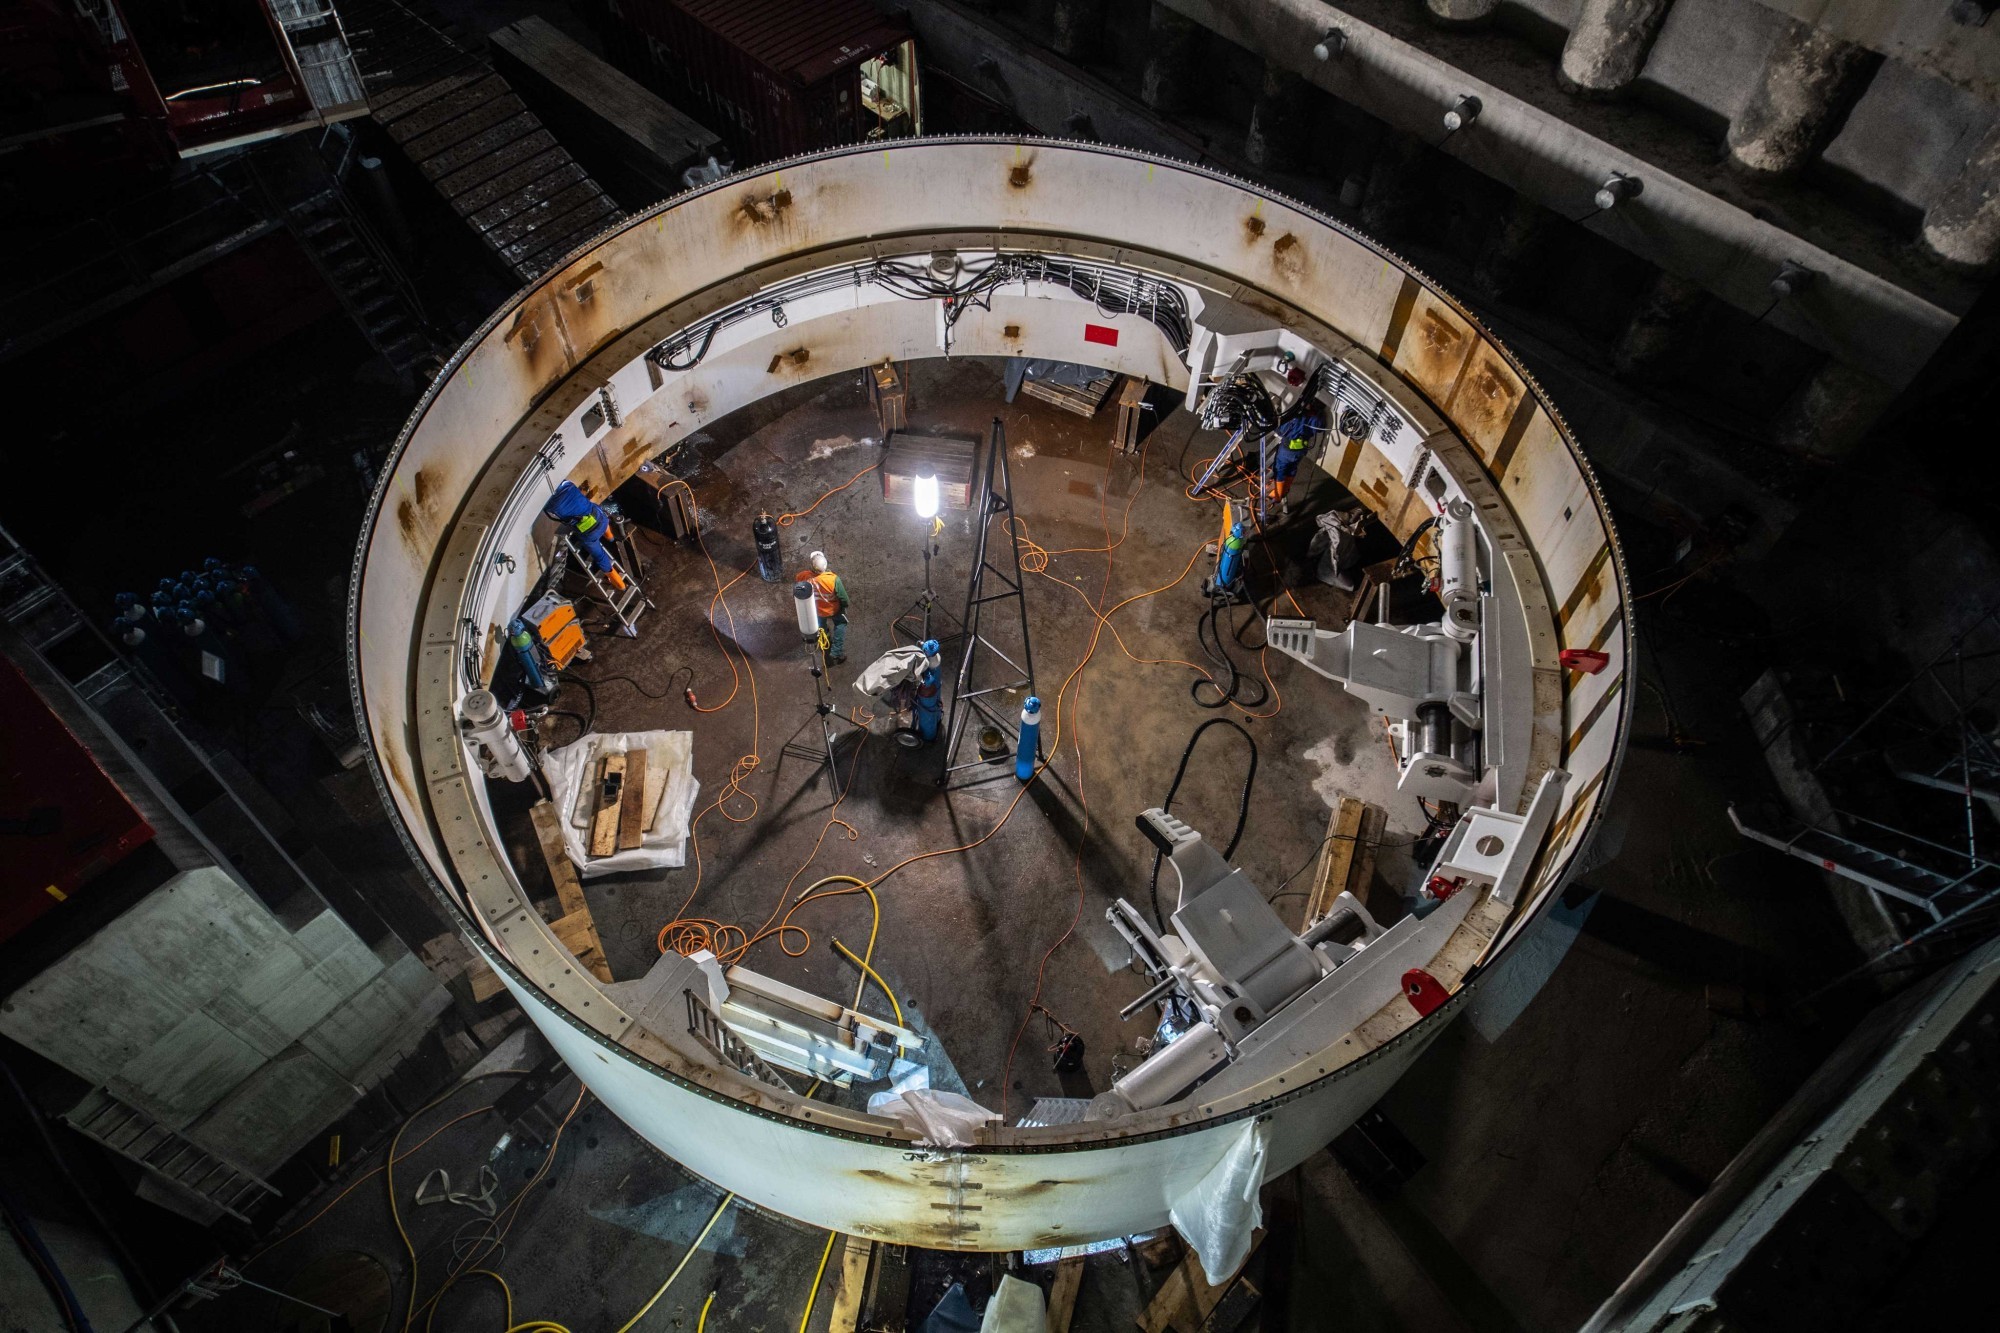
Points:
813	1295
872	975
713	1218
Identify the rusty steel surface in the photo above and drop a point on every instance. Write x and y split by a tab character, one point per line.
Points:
506	411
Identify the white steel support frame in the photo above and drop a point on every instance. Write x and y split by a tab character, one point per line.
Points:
430	582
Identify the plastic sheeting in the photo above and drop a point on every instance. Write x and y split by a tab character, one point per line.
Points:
940	1119
570	771
1016	1307
1217	1216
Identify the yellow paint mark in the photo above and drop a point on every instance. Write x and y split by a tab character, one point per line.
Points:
1149	171
58	894
333	1151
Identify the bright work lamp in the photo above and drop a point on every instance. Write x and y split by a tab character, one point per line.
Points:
924	494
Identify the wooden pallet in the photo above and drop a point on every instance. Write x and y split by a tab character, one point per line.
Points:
1083	401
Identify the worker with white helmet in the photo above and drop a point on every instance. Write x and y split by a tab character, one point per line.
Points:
830	600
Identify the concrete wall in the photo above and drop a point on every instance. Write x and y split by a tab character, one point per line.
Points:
200	1008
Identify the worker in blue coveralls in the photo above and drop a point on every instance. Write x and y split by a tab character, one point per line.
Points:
1297	429
587	519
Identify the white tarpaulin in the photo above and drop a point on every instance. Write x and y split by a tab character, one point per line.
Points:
572	773
942	1119
1217	1216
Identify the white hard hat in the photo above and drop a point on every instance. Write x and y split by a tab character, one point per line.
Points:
817	560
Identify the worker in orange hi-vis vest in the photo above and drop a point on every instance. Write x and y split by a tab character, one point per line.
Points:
830	600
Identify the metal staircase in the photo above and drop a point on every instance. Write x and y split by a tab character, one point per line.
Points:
1926	732
162	1152
1937	893
305	186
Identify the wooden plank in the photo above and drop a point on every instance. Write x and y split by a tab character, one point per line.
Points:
632	801
607	796
1062	1294
851	1285
548	832
1336	858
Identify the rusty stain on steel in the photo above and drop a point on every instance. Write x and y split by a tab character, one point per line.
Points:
1011	331
757	211
392	760
1288	257
795	358
1021	175
417	513
1483	402
1253	228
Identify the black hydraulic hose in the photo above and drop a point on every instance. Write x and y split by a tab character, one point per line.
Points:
1208	632
1242	808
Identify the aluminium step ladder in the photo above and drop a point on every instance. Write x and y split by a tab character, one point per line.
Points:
629	603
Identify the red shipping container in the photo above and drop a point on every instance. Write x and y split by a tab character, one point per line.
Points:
779	77
62	821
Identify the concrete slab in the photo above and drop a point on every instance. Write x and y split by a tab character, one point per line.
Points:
271	1114
185	1072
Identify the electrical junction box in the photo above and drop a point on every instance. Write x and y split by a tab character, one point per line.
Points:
553	622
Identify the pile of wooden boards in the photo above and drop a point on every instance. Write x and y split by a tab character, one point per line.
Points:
619	808
1083	400
1346	858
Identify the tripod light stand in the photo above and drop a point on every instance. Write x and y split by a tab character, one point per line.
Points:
813	638
924	496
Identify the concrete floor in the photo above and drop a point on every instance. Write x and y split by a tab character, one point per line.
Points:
963	936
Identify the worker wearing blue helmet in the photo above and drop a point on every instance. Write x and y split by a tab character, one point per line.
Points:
1296	432
587	519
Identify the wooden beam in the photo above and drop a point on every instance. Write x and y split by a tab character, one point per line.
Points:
575	928
1336	858
1062	1294
1361	874
548	832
